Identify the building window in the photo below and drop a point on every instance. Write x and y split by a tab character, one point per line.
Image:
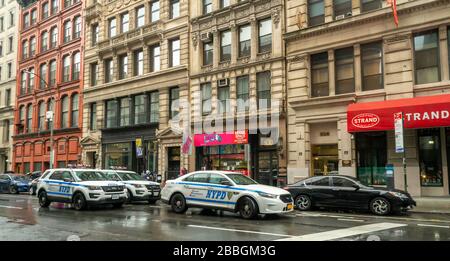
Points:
140	114
245	35
319	75
345	76
77	28
65	112
316	12
32	46
53	73
94	73
2	28
93	117
138	62
155	60
76	66
108	70
123	66
369	5
225	46
224	3
342	8
50	107
67	3
94	34
430	158
207	6
55	4
208	53
173	102
67	31
206	98
155	11
41	116
30	118
66	68
242	93
125	25
33	17
21	119
1	48
263	86
43	76
372	66
426	57
8	97
44	41
265	36
45	10
223	95
140	16
112	27
174	47
9	70
6	130
23	82
54	36
11	19
75	110
24	50
26	21
125	110
31	80
11	44
154	107
174	9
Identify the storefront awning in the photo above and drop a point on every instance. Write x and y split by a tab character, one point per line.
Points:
420	112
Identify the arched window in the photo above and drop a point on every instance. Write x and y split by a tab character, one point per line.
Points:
67	31
66	69
25	49
32	46
50	107
52	73
23	83
54	37
76	66
21	118
43	76
65	112
41	115
77	27
74	110
31	80
44	41
29	118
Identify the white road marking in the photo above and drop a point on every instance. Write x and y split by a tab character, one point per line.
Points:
242	231
3	206
430	225
345	232
351	219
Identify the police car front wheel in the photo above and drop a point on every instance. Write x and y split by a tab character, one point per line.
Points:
178	203
43	199
248	208
79	201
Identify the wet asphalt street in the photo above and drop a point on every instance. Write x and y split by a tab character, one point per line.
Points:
21	218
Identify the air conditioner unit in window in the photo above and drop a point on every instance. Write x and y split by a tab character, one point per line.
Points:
223	82
340	16
206	37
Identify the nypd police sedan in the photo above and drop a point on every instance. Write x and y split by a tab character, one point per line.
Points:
81	187
227	191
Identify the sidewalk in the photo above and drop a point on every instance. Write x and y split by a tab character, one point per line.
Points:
432	205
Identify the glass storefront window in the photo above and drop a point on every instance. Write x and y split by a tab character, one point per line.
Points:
225	157
325	159
371	156
118	155
430	159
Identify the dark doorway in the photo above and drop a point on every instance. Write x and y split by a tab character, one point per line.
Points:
267	168
371	156
173	161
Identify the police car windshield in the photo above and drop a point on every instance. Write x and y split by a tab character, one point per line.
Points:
240	179
129	176
90	175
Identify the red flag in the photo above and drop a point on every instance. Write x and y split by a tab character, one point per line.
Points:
393	4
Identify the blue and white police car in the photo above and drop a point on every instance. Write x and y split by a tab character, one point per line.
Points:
81	187
138	188
225	190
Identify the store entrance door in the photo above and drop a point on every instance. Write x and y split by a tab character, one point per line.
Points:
325	160
173	168
267	168
371	156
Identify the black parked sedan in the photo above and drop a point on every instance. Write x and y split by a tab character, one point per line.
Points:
347	193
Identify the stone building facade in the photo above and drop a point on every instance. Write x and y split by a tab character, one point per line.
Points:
9	13
237	53
342	53
136	68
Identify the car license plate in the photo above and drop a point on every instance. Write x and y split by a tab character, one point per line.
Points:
289	206
115	197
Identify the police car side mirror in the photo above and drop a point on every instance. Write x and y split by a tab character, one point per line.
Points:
225	183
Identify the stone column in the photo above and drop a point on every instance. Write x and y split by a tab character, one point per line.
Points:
130	63
146	52
115	75
234	43
254	38
357	67
331	73
443	46
100	71
216	48
328	5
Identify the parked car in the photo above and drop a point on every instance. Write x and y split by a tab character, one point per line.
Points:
346	192
138	188
33	175
13	183
81	187
227	191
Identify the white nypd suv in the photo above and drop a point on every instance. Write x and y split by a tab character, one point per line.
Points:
225	190
138	188
81	187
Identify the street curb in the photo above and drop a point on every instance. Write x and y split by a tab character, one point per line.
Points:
447	212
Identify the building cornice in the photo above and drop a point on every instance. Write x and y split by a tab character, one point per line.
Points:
363	18
343	99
